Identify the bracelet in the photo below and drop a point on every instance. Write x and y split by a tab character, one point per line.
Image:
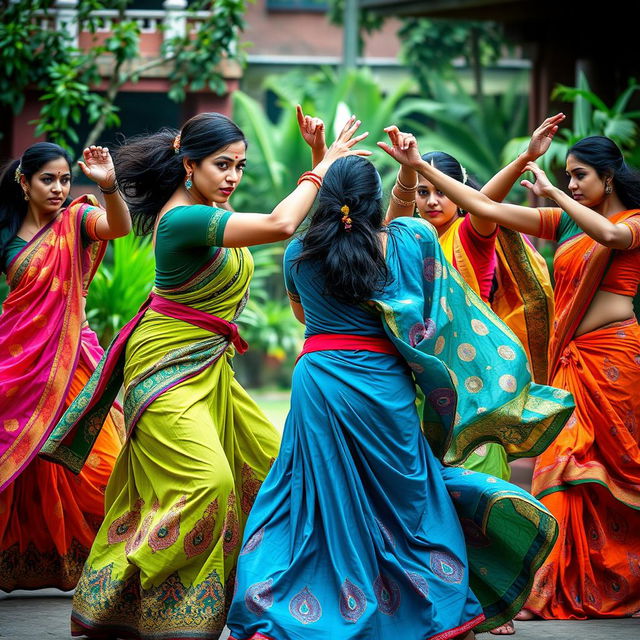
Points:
111	189
312	177
313	181
402	203
403	187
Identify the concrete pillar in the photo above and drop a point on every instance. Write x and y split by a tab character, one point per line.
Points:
67	18
176	20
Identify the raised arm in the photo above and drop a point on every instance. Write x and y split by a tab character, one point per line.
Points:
499	186
594	224
246	229
403	192
98	166
524	219
312	132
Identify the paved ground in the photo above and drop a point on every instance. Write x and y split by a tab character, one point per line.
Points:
44	615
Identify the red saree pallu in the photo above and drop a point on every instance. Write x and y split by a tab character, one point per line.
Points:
46	356
589	477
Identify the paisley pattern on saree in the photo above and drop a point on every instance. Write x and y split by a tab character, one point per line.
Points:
168	608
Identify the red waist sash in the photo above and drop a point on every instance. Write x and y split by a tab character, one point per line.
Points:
200	319
347	342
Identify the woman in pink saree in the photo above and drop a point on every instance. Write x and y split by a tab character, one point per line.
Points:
50	250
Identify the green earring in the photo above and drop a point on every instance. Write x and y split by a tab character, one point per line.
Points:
187	183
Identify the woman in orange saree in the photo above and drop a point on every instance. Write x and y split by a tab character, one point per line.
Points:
49	516
589	477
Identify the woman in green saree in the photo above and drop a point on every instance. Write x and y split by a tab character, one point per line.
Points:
198	447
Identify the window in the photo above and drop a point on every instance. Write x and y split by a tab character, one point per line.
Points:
298	5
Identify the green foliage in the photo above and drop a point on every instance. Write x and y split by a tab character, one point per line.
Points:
474	132
120	286
4	290
429	47
591	117
46	60
277	153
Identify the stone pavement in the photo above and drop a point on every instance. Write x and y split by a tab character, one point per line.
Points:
44	615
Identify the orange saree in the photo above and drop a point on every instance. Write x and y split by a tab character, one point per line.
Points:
589	477
49	516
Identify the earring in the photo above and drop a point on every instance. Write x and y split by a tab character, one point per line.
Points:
187	183
26	196
608	189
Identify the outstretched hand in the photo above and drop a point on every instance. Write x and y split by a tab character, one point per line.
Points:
542	186
403	148
345	142
312	130
98	166
543	135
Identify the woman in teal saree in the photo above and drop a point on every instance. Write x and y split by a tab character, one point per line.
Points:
362	528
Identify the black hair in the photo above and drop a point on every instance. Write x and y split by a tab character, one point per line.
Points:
149	169
450	167
13	206
352	261
604	155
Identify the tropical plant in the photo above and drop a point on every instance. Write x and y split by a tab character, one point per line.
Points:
278	155
35	56
591	117
120	286
429	47
475	132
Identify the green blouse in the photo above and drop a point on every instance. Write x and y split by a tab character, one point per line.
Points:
186	239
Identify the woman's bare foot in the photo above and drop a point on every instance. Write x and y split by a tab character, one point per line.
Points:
506	629
525	614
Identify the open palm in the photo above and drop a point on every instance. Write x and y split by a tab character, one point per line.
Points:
98	165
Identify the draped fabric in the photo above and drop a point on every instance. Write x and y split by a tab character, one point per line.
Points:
522	297
589	477
48	516
361	530
198	449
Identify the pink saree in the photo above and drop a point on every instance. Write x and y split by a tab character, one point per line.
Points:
46	356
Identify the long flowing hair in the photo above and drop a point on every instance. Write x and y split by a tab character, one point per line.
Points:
149	168
351	260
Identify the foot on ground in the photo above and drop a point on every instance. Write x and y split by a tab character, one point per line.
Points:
525	614
506	629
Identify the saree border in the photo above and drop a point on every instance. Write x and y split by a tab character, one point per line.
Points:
34	442
598	260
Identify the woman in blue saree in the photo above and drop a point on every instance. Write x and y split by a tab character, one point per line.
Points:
362	529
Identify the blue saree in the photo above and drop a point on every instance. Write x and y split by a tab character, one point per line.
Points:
361	529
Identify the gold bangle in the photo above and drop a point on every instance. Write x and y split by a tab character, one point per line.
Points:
403	187
402	203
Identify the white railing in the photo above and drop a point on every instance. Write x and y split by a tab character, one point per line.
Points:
172	20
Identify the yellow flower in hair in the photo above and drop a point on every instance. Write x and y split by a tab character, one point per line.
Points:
345	209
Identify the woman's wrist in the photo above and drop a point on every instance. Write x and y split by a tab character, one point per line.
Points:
555	194
108	188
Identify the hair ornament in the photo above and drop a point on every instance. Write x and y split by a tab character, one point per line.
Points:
346	220
176	143
465	175
18	173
